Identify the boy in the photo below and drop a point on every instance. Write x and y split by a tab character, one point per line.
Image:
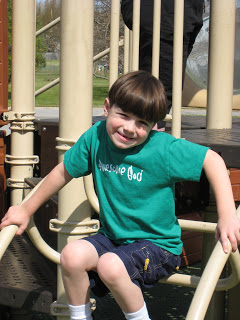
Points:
134	169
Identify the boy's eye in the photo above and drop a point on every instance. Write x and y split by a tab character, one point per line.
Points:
144	123
123	114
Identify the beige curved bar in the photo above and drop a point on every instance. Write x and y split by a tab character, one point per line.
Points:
6	236
207	284
8	233
40	244
221	285
198	226
209	279
35	236
91	195
193	281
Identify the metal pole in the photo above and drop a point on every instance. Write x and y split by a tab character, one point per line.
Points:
156	38
126	50
177	67
114	39
21	160
48	26
75	112
136	33
130	49
221	64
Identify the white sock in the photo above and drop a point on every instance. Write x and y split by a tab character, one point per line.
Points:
141	314
82	312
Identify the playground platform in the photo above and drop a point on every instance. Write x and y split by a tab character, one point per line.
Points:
165	302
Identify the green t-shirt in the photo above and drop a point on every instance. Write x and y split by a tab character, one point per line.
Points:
135	186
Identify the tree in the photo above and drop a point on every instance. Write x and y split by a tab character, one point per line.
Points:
41	48
102	18
48	11
40	44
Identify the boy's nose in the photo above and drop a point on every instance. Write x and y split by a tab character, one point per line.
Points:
130	126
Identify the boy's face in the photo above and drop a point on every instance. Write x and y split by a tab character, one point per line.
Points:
125	129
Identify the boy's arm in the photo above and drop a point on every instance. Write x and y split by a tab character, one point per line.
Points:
228	226
20	214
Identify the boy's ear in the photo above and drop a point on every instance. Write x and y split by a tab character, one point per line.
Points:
106	107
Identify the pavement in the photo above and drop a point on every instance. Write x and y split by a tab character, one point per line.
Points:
53	112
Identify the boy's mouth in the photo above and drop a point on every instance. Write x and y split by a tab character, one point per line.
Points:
124	137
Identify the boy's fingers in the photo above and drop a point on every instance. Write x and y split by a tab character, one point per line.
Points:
4	224
234	242
238	236
7	222
4	218
225	242
225	245
19	232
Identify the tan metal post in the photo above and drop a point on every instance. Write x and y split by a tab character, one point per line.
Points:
219	102
156	37
177	67
21	159
76	65
136	33
130	49
126	50
114	39
221	64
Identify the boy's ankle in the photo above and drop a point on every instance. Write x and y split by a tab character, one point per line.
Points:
141	314
81	312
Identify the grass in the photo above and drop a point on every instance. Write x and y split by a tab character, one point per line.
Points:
100	92
50	98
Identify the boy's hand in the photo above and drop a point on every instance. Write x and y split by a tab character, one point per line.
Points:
228	229
16	215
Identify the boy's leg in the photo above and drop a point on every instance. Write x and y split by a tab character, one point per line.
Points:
77	258
129	296
142	263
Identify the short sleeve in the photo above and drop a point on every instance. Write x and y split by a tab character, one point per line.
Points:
185	160
77	160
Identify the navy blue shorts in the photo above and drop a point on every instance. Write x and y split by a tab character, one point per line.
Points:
145	262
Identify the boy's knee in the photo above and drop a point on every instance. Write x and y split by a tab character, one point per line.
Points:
74	256
68	258
109	267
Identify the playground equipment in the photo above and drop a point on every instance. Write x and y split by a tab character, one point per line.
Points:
74	211
195	88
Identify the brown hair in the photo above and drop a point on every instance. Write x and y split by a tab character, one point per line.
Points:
140	93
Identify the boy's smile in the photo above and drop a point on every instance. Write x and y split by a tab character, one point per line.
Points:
125	129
